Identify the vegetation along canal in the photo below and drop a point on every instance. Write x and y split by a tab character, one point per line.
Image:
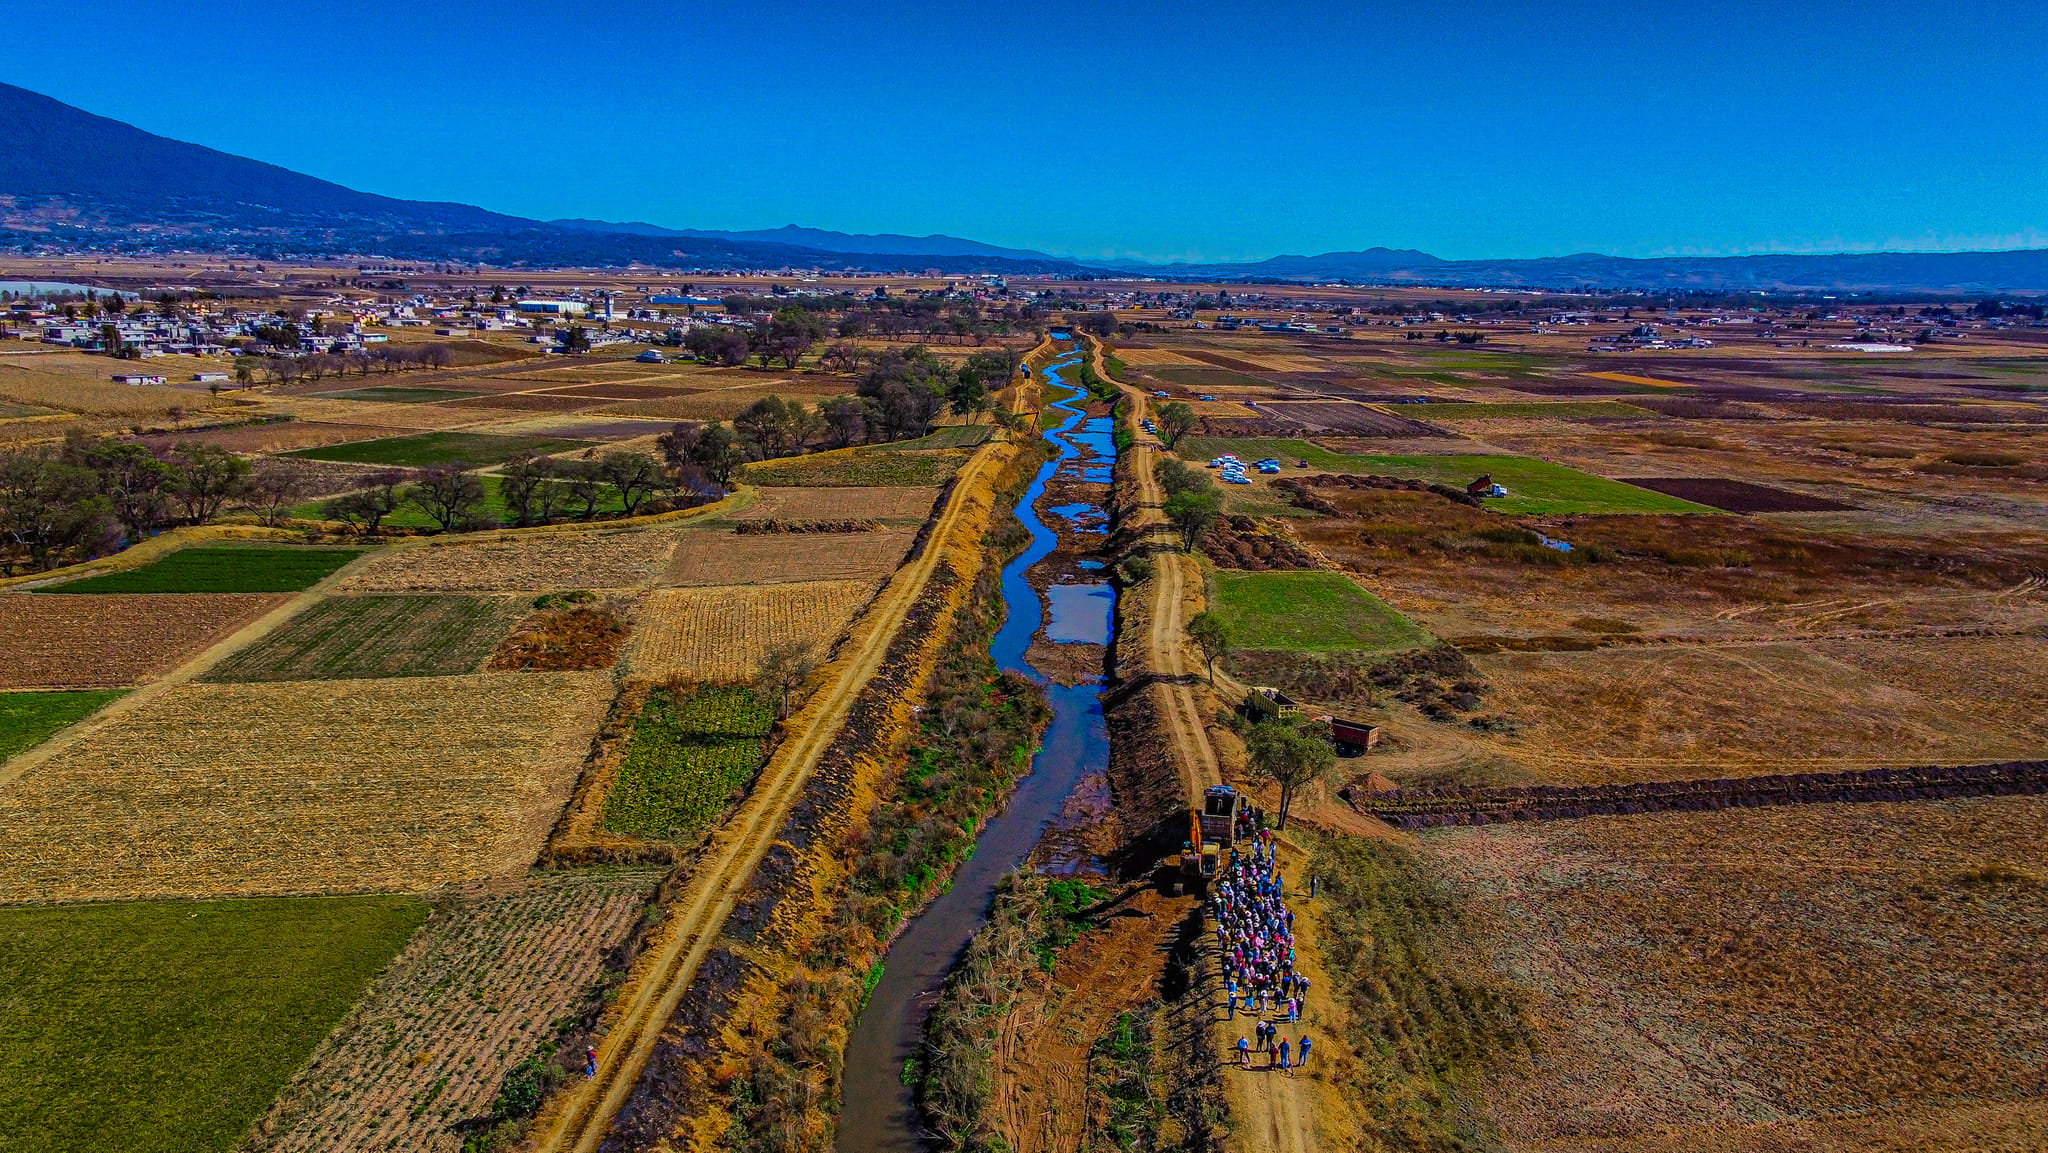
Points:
879	1112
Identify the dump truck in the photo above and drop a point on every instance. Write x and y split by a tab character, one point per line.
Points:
1221	805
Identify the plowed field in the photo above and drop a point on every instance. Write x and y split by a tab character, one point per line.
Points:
474	993
351	637
1807	977
719	634
568	561
328	786
96	640
708	558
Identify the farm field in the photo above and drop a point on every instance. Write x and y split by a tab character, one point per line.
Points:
476	991
439	448
843	503
29	719
108	639
1308	612
718	634
170	1025
1736	495
1534	486
693	751
1529	410
554	561
410	515
352	637
268	436
220	569
1824	976
326	786
710	558
857	468
399	394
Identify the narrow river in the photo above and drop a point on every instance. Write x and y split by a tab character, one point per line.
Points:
879	1112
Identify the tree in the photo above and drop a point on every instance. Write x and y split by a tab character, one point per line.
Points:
210	477
634	474
718	453
137	484
49	510
527	486
1176	420
765	424
575	340
785	668
845	420
451	494
1283	752
582	487
365	510
1212	636
277	488
717	344
1191	514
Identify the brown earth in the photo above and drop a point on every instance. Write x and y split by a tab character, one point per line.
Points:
104	640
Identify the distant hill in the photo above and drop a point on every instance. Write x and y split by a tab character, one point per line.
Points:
827	241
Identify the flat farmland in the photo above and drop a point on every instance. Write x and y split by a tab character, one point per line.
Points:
1618	716
274	436
325	786
29	719
399	394
111	639
356	637
1344	417
440	448
710	558
858	468
220	569
848	503
387	418
1818	976
541	562
170	1025
719	634
1737	495
1309	612
477	990
529	402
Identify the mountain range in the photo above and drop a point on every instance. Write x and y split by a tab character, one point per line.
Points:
70	177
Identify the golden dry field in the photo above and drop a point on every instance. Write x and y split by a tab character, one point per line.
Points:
720	633
1810	977
106	640
617	559
715	558
302	787
478	989
841	504
62	384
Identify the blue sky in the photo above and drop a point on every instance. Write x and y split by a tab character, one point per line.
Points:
1176	130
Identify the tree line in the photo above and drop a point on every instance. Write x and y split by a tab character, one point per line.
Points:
91	496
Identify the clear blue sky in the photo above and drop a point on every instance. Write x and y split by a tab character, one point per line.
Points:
1173	130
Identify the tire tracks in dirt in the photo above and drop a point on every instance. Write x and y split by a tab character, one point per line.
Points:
580	1119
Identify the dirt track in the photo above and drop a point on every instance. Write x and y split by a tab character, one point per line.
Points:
580	1119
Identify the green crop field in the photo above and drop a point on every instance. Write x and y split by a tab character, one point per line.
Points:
344	638
28	719
1525	410
1309	612
1202	376
690	754
950	436
431	449
221	569
399	394
861	468
1534	486
168	1026
412	516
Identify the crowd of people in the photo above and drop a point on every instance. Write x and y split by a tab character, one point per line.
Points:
1255	939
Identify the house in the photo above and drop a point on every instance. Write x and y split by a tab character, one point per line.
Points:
137	378
209	377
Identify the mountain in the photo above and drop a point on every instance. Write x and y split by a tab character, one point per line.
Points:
826	241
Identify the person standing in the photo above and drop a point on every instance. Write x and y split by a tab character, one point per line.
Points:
1302	1060
1283	1056
1244	1053
590	1063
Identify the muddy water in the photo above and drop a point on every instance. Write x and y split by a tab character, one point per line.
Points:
879	1112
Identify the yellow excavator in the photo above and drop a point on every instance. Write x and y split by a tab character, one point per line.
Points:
1211	829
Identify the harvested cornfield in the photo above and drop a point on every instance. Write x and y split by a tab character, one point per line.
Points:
774	558
303	787
1819	976
354	637
564	638
475	992
719	634
97	640
622	559
841	504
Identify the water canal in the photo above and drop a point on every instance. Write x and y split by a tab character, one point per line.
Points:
879	1112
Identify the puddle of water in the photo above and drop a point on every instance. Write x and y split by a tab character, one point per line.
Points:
1080	613
1090	565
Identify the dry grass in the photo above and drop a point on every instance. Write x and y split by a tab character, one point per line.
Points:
96	394
1739	980
1637	714
723	403
720	634
709	558
476	991
841	504
280	436
378	414
93	640
598	560
329	786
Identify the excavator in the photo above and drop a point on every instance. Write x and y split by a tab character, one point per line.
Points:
1211	829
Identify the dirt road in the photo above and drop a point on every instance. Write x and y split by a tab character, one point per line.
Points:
580	1119
1273	1113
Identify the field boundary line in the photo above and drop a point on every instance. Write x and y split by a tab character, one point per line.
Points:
584	1117
191	670
155	548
